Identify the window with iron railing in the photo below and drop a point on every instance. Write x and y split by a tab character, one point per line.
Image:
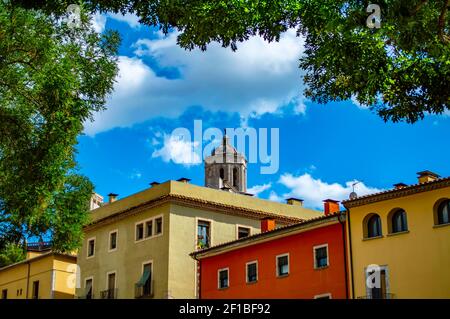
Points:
144	287
109	294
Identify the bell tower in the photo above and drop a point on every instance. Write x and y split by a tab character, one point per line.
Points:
226	168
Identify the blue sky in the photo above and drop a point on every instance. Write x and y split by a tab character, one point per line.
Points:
323	148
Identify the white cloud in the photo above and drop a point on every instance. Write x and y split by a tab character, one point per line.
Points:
98	22
179	151
135	175
274	197
258	189
131	19
260	77
314	191
359	105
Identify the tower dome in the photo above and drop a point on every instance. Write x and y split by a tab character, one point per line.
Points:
226	168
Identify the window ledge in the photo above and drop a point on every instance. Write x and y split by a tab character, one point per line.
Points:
321	268
252	282
398	233
223	288
282	276
441	225
372	238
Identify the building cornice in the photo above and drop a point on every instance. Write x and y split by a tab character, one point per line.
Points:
397	193
193	203
44	255
280	232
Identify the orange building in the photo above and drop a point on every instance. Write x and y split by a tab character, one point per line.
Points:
305	260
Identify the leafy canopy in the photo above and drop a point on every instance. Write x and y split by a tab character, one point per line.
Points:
52	78
402	69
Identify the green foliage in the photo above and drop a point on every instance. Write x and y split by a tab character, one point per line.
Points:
11	253
402	69
52	79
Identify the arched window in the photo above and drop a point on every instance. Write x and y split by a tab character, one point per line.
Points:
398	221
374	226
222	173
443	213
235	177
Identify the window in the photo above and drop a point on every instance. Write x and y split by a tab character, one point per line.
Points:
283	265
149	228
377	283
139	231
110	292
443	213
147	287
252	272
398	220
144	285
113	240
88	287
5	294
321	256
222	173
223	278
235	177
373	226
35	291
203	234
158	222
243	232
91	247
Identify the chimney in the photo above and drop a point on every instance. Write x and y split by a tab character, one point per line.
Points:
294	201
112	197
184	180
330	206
400	185
267	224
427	176
153	184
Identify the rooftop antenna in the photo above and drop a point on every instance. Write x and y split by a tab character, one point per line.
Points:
353	194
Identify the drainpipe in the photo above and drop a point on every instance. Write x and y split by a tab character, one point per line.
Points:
344	242
199	276
28	279
350	251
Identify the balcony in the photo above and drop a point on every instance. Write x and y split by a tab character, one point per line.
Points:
145	291
109	294
86	296
378	296
39	246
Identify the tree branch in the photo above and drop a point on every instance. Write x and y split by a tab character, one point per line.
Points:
418	7
442	18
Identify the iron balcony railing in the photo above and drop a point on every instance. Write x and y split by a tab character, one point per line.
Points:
145	291
39	246
379	296
109	294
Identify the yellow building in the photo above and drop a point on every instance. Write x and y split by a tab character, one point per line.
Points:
139	246
43	275
399	241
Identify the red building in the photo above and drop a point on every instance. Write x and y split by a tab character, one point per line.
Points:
304	260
